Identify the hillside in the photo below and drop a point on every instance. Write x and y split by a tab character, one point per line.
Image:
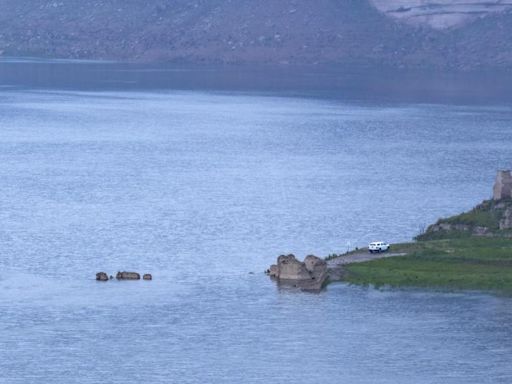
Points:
441	14
491	218
348	32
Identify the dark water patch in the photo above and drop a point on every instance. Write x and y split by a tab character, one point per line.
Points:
361	84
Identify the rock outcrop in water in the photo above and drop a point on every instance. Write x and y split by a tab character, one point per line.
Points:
101	276
127	276
308	275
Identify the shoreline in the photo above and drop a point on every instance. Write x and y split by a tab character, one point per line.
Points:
474	263
468	251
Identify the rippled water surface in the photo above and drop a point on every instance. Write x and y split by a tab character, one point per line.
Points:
202	188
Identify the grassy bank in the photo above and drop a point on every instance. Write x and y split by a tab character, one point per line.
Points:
475	263
472	251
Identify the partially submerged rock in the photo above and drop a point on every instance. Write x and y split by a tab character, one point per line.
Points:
289	268
309	275
101	276
273	271
317	267
127	276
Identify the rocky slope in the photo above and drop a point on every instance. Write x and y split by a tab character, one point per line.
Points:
491	218
348	32
441	14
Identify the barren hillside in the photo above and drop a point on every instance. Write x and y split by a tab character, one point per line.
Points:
441	14
349	32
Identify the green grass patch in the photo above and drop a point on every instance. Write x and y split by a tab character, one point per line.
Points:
478	218
462	263
439	235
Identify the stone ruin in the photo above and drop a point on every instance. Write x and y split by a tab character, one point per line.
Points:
310	275
503	186
503	190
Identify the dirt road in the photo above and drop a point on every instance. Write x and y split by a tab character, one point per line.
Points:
360	257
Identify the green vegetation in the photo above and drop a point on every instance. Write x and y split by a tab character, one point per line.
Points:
484	218
470	263
477	217
451	254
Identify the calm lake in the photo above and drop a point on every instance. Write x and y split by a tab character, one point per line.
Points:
203	177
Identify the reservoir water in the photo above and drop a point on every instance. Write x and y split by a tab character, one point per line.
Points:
204	188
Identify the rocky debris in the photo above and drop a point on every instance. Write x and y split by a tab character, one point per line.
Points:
127	276
101	276
309	275
481	231
448	227
503	186
506	219
439	14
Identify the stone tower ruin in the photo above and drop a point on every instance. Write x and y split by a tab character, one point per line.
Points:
503	186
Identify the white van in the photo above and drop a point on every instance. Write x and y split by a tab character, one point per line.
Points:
378	246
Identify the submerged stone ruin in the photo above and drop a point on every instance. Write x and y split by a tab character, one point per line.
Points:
310	275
